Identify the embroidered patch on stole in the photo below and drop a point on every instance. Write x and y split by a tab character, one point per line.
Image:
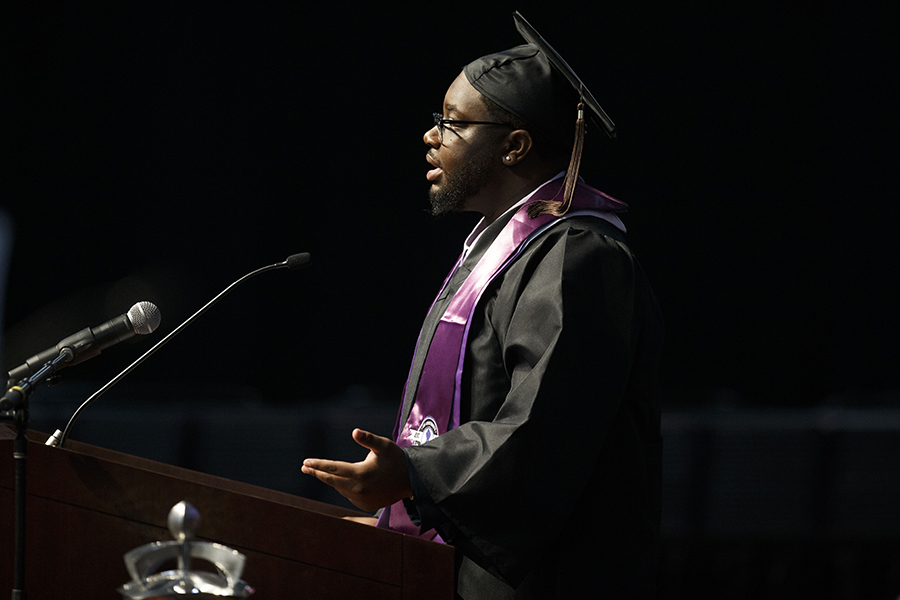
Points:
427	431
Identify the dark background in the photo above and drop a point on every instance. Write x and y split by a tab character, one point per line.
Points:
159	151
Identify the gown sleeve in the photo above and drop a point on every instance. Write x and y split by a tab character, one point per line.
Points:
547	368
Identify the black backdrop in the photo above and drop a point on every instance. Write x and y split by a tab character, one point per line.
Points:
158	151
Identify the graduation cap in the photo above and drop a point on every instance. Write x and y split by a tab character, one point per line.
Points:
534	83
597	114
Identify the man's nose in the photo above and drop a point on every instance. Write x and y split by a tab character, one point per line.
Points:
431	137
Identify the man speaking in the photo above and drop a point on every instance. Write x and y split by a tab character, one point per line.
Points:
529	436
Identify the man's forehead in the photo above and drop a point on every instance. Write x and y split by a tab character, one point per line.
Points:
461	97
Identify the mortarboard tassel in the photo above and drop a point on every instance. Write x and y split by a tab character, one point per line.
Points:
555	207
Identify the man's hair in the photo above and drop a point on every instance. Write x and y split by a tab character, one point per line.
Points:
547	148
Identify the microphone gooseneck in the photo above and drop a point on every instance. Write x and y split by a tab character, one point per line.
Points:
295	261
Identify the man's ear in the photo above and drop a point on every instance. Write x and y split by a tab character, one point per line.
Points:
518	145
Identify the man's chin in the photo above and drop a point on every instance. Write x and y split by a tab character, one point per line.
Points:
444	202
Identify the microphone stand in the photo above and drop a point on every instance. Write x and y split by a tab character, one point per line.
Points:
14	409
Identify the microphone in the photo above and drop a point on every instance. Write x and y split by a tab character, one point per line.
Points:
296	261
293	262
141	319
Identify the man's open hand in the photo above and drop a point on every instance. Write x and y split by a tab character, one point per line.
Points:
379	480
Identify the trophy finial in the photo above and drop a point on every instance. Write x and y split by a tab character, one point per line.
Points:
184	521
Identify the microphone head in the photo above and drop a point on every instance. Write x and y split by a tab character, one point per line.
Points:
298	261
144	317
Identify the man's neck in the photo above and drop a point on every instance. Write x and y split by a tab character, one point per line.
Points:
509	191
484	223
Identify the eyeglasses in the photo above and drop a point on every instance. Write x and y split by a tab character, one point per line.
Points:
440	122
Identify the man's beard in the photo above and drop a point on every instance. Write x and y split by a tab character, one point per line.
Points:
466	181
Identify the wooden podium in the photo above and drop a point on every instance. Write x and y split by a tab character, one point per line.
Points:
87	506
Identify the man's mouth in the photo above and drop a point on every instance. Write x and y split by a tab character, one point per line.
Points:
433	174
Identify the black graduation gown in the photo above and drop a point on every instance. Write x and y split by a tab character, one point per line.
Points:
551	484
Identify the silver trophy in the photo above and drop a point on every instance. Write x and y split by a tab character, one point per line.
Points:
143	562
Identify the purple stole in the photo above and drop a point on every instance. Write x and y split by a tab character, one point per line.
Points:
436	407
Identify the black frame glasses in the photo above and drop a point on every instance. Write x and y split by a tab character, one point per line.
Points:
440	122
